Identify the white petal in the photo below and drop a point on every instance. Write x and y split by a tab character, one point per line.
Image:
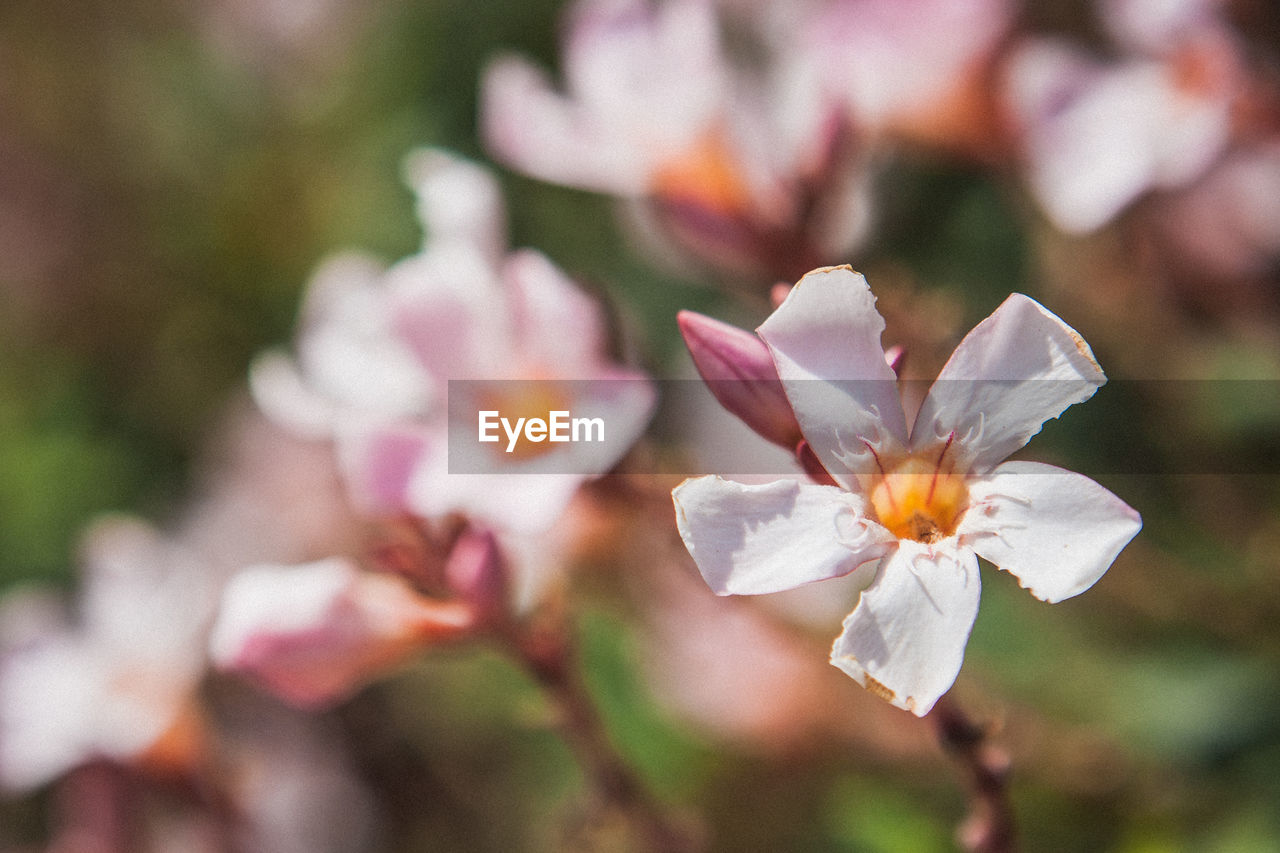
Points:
146	601
540	132
825	340
50	692
347	352
648	76
284	396
447	305
1017	369
523	503
458	200
1056	531
752	539
905	640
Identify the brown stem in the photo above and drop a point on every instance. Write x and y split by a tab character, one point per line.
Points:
989	827
547	653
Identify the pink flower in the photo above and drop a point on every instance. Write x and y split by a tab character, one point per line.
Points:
745	169
377	350
913	509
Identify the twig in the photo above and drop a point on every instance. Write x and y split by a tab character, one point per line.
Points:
989	827
547	653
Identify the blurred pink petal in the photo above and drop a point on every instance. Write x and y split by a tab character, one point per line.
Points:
316	633
379	463
1227	225
912	68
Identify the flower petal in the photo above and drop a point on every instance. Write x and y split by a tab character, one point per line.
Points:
905	640
520	501
1056	531
752	539
825	340
529	126
447	305
51	692
1017	369
378	461
556	326
458	200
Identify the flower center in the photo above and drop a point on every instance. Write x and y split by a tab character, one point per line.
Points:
918	500
705	176
526	400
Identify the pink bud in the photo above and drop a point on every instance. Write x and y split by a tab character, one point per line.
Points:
739	371
778	293
476	572
812	465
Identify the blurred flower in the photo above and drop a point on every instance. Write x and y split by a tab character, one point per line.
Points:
770	694
748	169
918	70
264	494
377	349
313	634
292	782
120	683
912	511
1096	135
1226	226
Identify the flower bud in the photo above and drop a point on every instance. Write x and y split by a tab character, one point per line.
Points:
314	634
739	371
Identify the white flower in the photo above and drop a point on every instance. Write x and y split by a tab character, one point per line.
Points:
1095	136
914	508
120	684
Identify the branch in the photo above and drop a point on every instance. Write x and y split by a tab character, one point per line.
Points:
989	827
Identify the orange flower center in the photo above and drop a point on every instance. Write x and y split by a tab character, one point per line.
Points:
918	500
527	400
707	175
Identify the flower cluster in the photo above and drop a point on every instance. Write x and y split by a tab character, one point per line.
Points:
405	475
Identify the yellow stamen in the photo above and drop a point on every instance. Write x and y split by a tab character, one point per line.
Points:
918	500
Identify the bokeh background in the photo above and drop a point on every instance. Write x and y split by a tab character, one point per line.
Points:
170	175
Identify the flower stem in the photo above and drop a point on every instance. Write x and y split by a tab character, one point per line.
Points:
989	827
549	656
